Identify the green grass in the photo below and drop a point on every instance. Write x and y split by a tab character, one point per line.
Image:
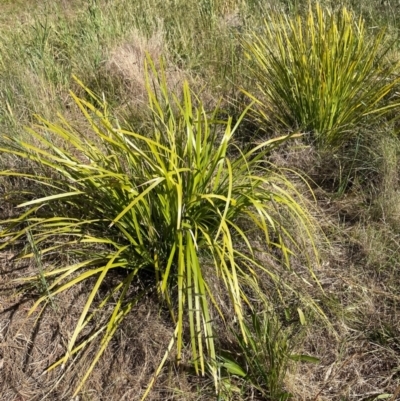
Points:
322	74
264	356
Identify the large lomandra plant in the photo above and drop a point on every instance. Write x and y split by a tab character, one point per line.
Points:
323	72
171	201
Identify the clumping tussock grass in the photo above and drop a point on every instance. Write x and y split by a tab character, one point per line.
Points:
165	202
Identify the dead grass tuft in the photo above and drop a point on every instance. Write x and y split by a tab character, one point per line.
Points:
125	68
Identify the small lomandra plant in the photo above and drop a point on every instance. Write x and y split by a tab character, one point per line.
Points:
170	201
264	352
321	73
264	356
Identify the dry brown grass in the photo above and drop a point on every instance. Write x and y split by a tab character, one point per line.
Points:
124	72
358	359
125	65
30	344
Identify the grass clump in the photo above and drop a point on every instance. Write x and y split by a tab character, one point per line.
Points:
264	356
321	73
171	203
